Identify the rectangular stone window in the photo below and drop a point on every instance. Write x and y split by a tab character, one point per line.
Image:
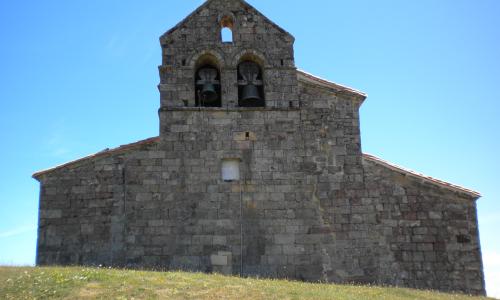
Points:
231	169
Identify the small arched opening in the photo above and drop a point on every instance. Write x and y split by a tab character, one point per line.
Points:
207	82
226	31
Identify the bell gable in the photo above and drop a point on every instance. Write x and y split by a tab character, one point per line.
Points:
227	54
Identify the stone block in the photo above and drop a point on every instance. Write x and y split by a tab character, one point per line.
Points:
284	239
221	258
219	240
435	215
50	214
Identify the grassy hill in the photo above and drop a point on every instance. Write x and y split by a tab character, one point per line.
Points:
91	283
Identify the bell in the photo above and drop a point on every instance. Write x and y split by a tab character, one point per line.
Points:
250	93
208	92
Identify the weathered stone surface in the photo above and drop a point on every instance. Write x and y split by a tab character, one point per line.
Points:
309	205
428	243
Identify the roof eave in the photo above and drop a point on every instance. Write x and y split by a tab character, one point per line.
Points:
38	175
335	87
442	184
164	36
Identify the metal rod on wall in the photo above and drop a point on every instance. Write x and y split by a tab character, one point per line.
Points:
241	229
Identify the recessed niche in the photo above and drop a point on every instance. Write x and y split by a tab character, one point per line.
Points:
230	169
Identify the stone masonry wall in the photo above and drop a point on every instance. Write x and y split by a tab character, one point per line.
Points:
307	207
333	125
168	207
81	216
292	162
428	235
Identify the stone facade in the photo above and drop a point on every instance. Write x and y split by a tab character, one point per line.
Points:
308	204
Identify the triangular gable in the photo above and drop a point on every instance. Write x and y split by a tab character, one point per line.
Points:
207	3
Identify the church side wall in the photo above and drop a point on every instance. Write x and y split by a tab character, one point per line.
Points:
428	235
81	215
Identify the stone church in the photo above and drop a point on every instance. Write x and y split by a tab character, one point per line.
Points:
257	171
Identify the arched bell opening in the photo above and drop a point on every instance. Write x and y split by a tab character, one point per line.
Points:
250	84
207	83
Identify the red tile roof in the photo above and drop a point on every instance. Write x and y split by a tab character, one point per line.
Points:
423	177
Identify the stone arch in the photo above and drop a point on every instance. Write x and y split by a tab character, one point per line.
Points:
217	56
249	54
225	15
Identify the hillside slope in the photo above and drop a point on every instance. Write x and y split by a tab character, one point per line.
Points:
92	283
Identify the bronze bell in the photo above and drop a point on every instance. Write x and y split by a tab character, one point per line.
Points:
250	93
208	92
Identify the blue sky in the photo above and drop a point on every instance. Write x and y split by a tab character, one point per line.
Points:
80	76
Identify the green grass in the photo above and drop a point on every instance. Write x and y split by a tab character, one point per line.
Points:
92	283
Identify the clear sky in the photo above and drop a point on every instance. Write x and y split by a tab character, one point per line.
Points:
80	76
